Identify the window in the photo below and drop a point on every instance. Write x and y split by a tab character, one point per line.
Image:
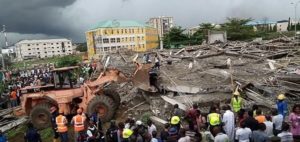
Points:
117	31
45	48
105	40
29	49
29	53
37	44
51	43
44	43
69	50
68	42
58	51
52	47
125	31
28	44
57	47
39	53
57	43
112	40
37	48
45	52
122	31
105	31
52	51
118	40
142	37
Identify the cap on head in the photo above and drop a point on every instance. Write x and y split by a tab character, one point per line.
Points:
175	120
281	97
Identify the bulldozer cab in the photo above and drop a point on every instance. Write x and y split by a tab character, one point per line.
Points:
64	78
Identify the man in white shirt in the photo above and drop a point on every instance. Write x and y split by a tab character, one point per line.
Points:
228	121
269	126
243	134
277	120
151	127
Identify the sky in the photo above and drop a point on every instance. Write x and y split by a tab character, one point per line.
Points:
40	19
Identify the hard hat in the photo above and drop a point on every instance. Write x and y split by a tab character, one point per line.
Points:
138	122
52	109
175	120
79	111
127	133
281	97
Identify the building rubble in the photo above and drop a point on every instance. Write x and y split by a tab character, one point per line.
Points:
207	74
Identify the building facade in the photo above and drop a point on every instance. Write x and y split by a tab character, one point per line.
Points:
114	35
282	26
30	49
163	24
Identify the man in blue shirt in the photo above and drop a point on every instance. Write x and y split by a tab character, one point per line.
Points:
282	105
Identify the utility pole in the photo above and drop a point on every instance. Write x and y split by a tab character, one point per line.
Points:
295	4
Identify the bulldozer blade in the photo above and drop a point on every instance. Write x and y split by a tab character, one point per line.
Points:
141	77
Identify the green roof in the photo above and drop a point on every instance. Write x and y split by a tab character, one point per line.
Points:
118	23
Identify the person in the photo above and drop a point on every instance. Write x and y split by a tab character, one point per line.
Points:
213	117
112	132
156	61
78	121
154	135
282	106
176	111
236	101
151	127
32	134
277	120
254	109
61	123
219	135
173	134
140	132
164	133
2	137
206	134
127	133
269	126
191	116
259	116
121	127
294	119
54	114
228	122
92	132
241	116
250	122
243	134
201	121
13	98
285	135
183	137
260	135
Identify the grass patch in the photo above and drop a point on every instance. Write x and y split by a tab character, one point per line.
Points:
15	132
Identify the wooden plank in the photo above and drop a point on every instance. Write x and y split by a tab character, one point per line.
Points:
13	124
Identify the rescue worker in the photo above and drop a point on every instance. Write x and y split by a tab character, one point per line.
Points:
282	106
236	101
126	135
78	121
13	98
214	119
175	122
62	129
54	114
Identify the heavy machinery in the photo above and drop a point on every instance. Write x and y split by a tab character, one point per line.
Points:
91	96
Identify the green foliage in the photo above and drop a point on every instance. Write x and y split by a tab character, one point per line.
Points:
238	30
82	47
197	37
175	37
145	117
68	61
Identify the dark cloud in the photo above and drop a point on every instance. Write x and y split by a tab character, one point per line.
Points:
34	16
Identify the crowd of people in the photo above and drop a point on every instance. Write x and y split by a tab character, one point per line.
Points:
227	123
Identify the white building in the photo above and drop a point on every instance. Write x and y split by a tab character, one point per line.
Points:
282	26
29	49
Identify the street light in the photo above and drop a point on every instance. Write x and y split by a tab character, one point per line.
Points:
296	4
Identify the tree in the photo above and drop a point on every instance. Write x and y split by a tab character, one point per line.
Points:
197	37
68	61
175	37
7	61
238	30
207	26
82	47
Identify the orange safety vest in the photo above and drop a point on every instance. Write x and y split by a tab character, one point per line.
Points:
78	123
60	122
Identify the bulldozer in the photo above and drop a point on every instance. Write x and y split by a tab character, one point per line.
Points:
90	96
